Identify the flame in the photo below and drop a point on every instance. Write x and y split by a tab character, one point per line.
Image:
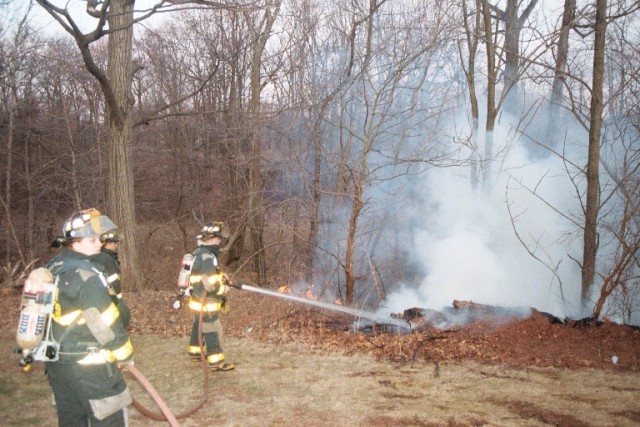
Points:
284	289
310	295
338	301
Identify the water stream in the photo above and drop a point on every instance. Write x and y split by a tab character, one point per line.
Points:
359	314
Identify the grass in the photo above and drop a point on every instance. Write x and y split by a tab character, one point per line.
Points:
297	386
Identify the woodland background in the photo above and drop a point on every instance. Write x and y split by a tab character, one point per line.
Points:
326	135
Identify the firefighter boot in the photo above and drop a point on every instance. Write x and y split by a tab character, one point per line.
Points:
222	366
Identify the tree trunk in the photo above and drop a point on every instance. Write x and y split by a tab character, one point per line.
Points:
8	177
31	221
491	97
121	184
559	76
231	142
472	35
512	69
349	259
590	246
511	55
314	216
255	208
75	182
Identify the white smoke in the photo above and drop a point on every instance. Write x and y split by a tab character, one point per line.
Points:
470	251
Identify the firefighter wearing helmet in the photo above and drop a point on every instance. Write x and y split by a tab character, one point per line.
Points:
87	386
209	286
108	259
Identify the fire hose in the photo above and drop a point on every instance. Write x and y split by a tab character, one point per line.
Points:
166	414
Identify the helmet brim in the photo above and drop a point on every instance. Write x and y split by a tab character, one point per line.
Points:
96	227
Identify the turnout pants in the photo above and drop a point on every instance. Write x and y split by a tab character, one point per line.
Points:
95	395
211	337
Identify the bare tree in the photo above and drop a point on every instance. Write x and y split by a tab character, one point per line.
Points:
492	108
609	219
115	19
623	269
472	35
377	118
259	32
592	207
513	25
11	68
619	216
559	75
115	83
503	55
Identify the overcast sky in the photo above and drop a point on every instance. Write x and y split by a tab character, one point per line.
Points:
42	21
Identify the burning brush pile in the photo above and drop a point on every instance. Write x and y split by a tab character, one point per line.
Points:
462	313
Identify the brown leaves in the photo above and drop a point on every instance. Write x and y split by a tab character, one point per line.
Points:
534	341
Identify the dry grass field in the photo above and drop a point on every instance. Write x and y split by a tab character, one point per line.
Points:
289	385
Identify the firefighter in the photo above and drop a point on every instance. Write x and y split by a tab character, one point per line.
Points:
108	259
209	286
87	385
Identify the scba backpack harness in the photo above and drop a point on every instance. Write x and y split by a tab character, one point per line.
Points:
39	305
185	285
184	279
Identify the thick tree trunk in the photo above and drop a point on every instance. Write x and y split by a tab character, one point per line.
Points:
512	56
119	122
559	76
562	54
512	66
592	208
349	260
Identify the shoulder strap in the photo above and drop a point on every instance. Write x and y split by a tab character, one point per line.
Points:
197	251
59	266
